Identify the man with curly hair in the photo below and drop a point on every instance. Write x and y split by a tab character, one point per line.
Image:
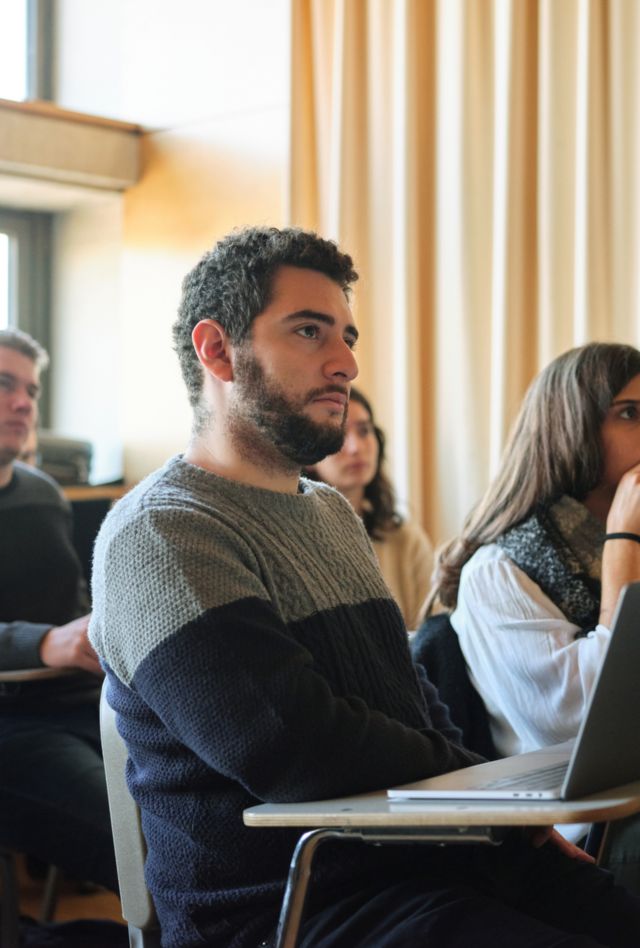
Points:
255	654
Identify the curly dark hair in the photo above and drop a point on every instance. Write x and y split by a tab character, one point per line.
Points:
232	284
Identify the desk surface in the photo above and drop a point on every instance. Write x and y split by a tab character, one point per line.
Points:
95	491
36	674
376	810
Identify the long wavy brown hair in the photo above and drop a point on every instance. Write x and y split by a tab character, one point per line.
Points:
554	448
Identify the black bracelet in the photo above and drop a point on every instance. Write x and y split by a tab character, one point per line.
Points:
623	536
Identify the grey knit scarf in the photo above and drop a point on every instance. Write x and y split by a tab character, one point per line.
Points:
559	547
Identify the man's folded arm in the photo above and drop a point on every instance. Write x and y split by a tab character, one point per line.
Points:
252	705
20	645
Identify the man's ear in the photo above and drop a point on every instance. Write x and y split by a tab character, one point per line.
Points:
213	349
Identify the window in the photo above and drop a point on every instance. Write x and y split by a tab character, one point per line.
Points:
25	49
5	306
25	280
13	50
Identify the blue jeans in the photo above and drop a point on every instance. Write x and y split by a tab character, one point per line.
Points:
53	796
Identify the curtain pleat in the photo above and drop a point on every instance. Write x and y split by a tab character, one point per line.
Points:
479	160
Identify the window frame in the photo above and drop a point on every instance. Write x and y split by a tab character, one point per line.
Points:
39	53
37	60
30	247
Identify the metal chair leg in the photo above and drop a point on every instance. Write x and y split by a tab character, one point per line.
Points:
50	894
295	894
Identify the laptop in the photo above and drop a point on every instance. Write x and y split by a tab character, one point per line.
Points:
605	754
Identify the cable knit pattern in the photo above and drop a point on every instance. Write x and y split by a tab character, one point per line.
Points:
254	654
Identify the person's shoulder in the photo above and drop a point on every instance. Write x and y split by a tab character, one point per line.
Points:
177	500
323	493
34	484
486	556
490	575
329	501
415	533
407	538
158	490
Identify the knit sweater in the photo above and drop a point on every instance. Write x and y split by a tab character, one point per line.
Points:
253	655
40	577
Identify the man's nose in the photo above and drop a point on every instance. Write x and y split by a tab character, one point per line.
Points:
22	401
342	362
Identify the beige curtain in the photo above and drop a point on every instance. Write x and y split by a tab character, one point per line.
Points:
479	160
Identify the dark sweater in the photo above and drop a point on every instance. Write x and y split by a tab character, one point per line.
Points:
40	576
254	654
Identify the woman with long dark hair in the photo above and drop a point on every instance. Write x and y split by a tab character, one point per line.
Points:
403	549
534	577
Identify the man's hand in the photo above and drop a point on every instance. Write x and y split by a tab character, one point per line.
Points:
68	646
539	835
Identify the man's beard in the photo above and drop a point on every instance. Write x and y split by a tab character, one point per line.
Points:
267	425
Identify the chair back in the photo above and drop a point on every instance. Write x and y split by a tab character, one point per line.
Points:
436	647
129	844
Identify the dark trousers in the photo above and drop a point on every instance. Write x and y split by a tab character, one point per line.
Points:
53	797
479	897
622	852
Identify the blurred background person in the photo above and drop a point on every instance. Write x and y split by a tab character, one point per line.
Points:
404	550
53	798
29	451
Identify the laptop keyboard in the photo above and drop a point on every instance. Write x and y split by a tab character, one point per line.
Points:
545	778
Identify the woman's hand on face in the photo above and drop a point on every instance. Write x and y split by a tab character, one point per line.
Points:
621	557
624	513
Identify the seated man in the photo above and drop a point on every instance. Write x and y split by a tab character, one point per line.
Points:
53	800
254	652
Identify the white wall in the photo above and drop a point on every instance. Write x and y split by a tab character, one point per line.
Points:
87	331
209	80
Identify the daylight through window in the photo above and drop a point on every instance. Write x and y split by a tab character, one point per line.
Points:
4	280
13	49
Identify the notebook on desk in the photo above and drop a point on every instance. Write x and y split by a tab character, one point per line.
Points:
605	754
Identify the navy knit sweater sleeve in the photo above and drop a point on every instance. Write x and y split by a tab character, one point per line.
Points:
254	654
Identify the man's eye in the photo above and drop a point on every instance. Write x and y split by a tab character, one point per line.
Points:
351	341
629	413
309	332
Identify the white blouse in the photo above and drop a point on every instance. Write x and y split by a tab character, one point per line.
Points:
532	673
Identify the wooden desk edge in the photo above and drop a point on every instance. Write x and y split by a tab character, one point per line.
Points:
376	810
95	492
35	674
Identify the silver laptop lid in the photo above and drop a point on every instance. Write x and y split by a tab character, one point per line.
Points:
607	749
